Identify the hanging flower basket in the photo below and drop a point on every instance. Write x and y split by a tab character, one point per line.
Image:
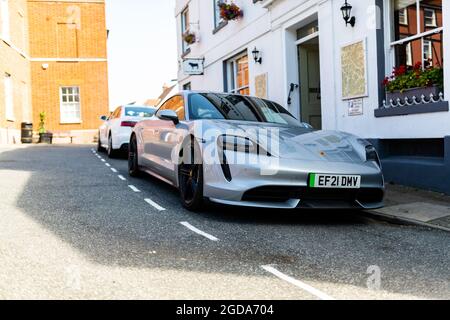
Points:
230	11
189	37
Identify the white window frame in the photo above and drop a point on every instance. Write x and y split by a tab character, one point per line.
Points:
9	97
433	17
405	17
409	60
232	72
184	28
5	20
389	34
428	51
64	118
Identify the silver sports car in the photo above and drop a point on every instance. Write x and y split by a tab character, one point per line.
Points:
246	151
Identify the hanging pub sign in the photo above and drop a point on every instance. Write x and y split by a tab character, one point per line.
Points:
193	67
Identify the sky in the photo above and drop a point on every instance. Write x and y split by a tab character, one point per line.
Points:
142	49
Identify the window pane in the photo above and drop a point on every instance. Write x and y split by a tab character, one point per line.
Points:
404	29
217	18
408	54
433	50
308	30
242	72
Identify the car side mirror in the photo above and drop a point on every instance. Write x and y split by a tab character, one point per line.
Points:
103	118
169	115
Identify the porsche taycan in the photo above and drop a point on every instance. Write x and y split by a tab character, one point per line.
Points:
246	151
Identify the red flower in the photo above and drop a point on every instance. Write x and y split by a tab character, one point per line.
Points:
400	71
418	66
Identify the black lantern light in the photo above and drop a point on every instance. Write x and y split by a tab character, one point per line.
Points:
257	56
347	14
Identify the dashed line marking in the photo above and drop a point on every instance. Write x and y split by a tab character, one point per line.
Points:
122	178
306	287
107	164
103	160
198	231
113	170
134	188
154	205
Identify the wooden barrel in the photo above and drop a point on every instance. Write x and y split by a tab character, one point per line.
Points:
27	132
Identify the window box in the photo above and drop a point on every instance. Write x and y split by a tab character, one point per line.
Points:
414	92
441	106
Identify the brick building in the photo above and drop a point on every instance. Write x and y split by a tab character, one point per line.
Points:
15	93
63	66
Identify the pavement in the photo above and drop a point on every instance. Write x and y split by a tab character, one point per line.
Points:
415	206
73	225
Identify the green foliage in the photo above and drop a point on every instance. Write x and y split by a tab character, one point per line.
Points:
42	117
404	78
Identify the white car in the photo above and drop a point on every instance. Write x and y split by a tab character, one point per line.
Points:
114	134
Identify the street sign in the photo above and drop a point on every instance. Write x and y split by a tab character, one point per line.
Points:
193	66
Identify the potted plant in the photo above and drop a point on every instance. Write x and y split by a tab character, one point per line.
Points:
189	37
44	136
408	82
230	11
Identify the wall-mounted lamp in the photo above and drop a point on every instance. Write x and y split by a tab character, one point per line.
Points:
257	56
347	14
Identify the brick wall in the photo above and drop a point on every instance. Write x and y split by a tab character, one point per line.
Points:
68	48
89	76
13	61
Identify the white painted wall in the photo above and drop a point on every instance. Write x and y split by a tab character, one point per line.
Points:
271	30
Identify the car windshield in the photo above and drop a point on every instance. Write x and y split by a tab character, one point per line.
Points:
204	106
139	112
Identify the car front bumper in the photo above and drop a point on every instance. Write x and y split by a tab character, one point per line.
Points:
283	183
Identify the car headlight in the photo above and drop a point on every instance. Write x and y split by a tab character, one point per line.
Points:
371	152
240	144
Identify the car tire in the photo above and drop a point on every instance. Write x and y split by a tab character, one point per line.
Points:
133	165
111	152
99	145
190	177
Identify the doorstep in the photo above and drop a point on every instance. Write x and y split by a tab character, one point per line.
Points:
416	206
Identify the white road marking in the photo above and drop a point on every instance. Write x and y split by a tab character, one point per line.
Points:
107	164
103	160
113	170
122	178
298	283
198	231
134	188
154	205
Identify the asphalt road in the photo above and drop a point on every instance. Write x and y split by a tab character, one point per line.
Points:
70	227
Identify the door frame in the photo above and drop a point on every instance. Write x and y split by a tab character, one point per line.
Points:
290	52
298	43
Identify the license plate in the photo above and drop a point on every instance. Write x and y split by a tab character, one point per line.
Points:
334	181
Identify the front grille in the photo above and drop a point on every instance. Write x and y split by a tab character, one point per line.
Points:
284	193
